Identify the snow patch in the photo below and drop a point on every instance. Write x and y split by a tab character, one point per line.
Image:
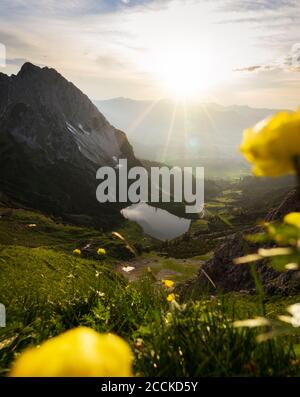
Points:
98	146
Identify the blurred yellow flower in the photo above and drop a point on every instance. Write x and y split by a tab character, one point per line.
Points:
77	251
101	251
130	249
294	318
273	145
118	235
168	283
78	352
293	218
171	297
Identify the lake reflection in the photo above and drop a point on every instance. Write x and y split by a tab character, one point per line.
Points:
156	222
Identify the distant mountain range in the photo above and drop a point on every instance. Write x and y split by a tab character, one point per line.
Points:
52	141
197	133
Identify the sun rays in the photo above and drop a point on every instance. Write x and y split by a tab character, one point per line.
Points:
169	135
135	123
180	131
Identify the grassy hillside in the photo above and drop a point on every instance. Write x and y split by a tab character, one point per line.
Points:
47	289
34	229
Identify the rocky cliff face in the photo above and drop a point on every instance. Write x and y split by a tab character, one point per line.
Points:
52	141
229	277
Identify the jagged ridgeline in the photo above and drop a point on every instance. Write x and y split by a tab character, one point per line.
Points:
52	141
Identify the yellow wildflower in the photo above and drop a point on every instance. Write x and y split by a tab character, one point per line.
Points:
101	251
293	218
272	145
77	251
78	352
168	283
171	297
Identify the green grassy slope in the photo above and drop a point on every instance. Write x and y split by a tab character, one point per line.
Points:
47	289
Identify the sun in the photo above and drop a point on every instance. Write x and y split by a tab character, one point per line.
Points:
186	72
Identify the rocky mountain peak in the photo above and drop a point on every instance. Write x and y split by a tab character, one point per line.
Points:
51	131
27	68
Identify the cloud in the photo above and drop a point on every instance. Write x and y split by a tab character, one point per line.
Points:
248	68
73	8
270	19
118	5
260	5
107	61
290	62
12	39
267	13
114	64
16	61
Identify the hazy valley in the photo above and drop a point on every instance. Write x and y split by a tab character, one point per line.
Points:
185	132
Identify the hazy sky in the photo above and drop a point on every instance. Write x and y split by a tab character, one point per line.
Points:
230	52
